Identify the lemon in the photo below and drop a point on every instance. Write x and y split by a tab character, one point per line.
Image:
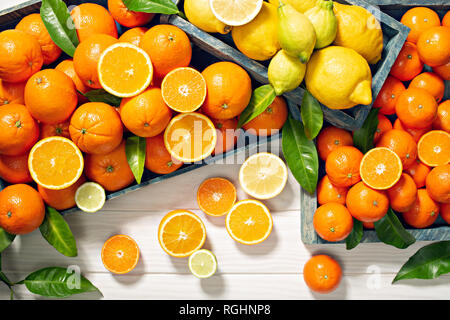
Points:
285	72
235	12
258	39
90	197
300	5
199	13
359	30
324	21
203	263
339	78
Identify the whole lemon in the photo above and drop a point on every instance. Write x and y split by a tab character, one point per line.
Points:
300	5
359	30
339	78
258	39
199	13
285	72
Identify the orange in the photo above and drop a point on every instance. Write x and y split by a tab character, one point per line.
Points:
157	158
424	211
120	254
20	56
443	71
249	222
168	47
384	124
61	199
21	209
14	169
146	115
333	222
419	172
381	168
67	66
126	17
388	95
438	184
416	108
446	19
408	63
90	19
133	36
419	19
433	148
322	273
402	143
58	129
332	138
19	131
181	233
216	196
431	83
270	121
415	133
445	212
327	192
184	89
434	46
50	96
95	127
34	26
368	225
87	55
229	90
11	93
110	170
342	166
442	121
403	194
367	204
227	134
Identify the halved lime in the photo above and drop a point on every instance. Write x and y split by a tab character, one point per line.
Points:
203	263
90	197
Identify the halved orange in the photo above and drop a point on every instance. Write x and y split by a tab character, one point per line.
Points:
181	233
184	89
433	148
120	254
124	70
190	137
216	196
380	168
249	222
55	163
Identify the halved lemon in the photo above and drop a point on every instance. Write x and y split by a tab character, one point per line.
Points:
190	137
235	12
380	168
263	175
55	163
90	197
203	263
124	70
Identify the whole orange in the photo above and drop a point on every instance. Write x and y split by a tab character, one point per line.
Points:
431	83
50	96
416	108
270	121
90	19
168	47
408	63
402	143
61	199
58	129
110	170
438	183
446	19
332	138
442	121
419	172
157	158
68	68
443	71
403	194
12	93
322	273
14	169
20	56
424	211
227	134
327	192
19	130
342	166
21	209
126	17
434	46
415	133
388	95
369	225
95	127
419	19
444	210
133	36
332	222
384	124
367	204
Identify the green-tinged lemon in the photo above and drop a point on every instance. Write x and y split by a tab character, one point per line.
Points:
324	21
90	197
199	13
202	263
285	72
300	5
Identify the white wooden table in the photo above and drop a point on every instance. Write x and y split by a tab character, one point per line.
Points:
271	270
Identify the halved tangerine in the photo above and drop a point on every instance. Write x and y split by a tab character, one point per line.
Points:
434	148
120	254
216	196
380	168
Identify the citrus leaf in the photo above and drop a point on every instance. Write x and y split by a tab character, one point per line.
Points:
56	231
5	239
100	95
262	97
152	6
135	149
390	230
57	282
300	154
3	277
428	262
312	115
59	24
354	238
363	137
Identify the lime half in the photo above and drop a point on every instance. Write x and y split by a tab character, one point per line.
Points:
203	263
90	197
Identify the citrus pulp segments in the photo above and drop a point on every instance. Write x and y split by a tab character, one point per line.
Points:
90	197
214	189
203	263
235	12
109	246
440	153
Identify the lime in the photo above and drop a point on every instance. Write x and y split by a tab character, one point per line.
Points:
203	263
90	197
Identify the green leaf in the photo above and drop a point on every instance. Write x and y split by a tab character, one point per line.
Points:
300	154
57	282
354	238
363	137
312	115
135	149
391	231
3	277
56	231
100	95
60	26
5	239
152	6
262	97
428	262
